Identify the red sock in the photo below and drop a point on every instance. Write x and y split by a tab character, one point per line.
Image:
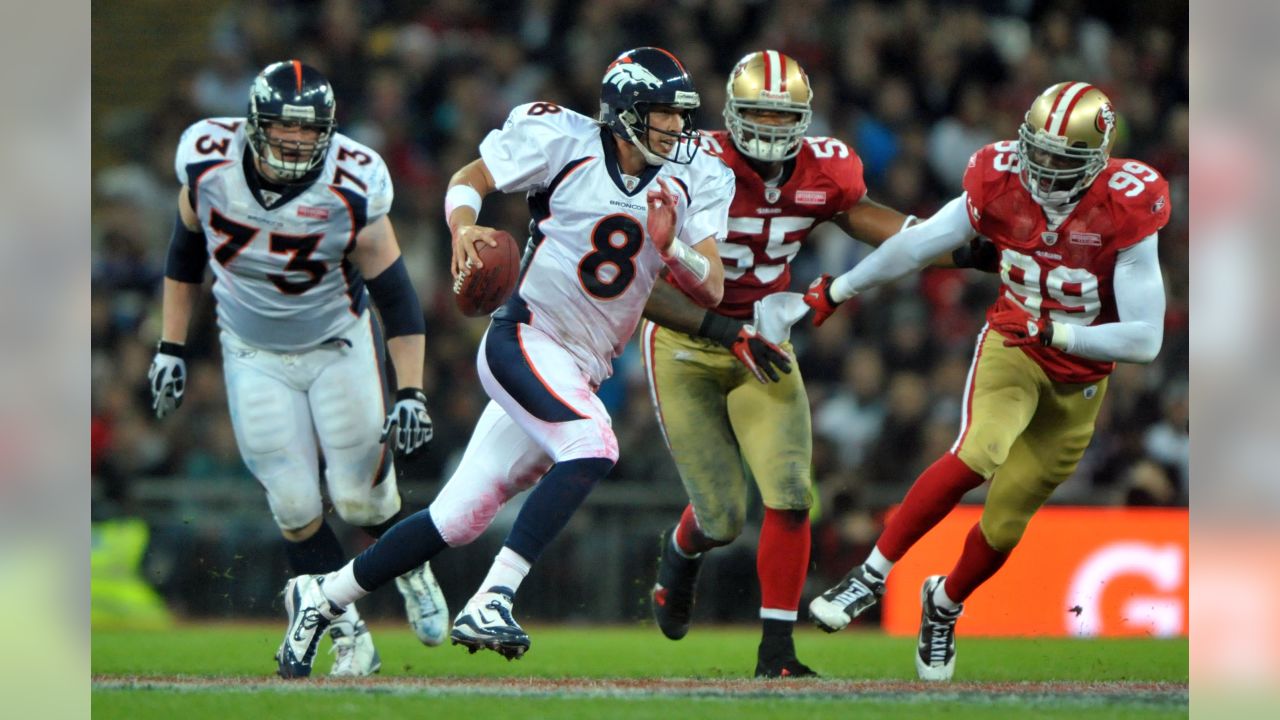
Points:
689	537
933	495
977	563
783	558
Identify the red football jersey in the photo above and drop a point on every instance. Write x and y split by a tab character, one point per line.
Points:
767	225
1063	274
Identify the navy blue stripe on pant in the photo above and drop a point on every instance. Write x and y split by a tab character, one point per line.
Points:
513	372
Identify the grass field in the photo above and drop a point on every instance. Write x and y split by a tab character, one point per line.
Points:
226	670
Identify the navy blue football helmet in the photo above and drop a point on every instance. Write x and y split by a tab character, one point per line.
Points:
638	80
290	93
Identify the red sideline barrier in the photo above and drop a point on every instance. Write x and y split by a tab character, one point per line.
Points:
1077	572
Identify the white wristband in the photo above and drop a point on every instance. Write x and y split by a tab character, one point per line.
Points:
688	259
460	196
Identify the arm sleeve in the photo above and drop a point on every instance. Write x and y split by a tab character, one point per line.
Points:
908	250
1137	336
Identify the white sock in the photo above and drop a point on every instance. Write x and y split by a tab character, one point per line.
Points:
879	563
508	570
341	587
942	601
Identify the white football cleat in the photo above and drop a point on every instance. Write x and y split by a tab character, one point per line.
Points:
486	622
834	609
424	605
936	648
353	652
310	612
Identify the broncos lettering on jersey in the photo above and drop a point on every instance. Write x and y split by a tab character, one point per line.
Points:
588	267
1064	274
767	224
282	279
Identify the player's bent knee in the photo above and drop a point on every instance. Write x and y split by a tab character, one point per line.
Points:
984	455
459	525
294	515
601	443
1003	534
724	527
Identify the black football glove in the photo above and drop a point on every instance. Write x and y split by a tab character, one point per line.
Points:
979	254
761	357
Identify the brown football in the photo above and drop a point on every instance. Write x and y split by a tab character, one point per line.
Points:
484	289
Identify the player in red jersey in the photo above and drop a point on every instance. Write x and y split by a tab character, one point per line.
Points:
703	367
1076	231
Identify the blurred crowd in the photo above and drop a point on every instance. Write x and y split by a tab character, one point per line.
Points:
914	87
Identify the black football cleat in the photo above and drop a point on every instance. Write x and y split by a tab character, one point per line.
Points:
776	658
673	593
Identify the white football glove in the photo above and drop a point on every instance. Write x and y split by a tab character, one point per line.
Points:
168	378
408	427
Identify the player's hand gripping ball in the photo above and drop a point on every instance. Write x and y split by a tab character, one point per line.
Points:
479	291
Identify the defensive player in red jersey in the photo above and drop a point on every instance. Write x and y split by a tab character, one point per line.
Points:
1076	232
724	395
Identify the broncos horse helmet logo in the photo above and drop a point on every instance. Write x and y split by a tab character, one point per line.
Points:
628	73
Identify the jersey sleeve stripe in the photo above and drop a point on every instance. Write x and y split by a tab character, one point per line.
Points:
688	198
195	173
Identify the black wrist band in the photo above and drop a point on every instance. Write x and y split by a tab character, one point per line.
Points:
723	330
411	393
172	348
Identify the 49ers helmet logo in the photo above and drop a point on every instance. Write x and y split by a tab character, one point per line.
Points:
1105	120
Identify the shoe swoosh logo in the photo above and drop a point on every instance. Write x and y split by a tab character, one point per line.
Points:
483	619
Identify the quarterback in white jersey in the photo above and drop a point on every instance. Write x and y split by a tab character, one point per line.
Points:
294	217
614	203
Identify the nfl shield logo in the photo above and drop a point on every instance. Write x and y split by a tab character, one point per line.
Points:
629	181
772	194
1049	238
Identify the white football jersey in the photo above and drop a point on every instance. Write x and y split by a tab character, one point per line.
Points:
589	267
282	279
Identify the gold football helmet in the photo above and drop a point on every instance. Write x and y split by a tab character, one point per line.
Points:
767	80
1065	141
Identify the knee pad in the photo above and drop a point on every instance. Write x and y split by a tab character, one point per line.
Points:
295	513
365	507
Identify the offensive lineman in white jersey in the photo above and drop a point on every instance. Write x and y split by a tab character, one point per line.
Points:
614	202
294	216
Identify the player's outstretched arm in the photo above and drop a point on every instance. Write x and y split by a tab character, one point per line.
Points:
907	251
467	189
377	256
183	276
1140	301
872	223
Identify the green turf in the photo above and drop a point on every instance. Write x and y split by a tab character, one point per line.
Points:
134	706
627	652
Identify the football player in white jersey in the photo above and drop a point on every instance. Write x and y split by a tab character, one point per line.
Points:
294	215
615	202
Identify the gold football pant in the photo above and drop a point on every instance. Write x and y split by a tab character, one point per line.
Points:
716	417
1023	431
